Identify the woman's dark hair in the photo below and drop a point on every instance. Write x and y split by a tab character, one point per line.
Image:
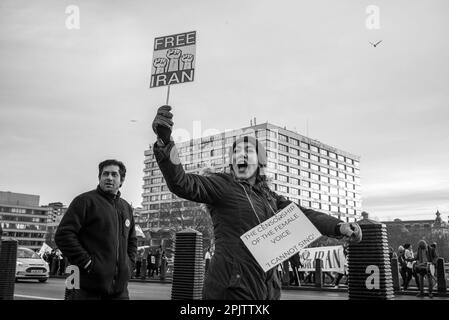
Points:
407	245
113	162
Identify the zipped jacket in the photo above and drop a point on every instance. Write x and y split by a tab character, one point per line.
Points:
99	226
235	207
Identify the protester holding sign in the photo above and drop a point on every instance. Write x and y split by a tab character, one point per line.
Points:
238	201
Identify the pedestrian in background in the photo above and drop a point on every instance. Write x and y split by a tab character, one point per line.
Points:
138	263
422	267
207	257
151	260
97	235
402	265
409	257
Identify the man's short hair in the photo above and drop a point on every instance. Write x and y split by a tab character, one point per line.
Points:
112	162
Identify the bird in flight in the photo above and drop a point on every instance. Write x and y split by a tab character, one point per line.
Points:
375	44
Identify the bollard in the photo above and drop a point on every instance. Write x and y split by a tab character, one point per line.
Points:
285	274
163	270
369	268
319	279
188	271
441	276
8	258
395	274
143	269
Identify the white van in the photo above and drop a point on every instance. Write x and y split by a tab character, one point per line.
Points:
30	265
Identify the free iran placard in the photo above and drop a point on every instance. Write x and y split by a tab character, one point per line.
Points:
173	59
280	237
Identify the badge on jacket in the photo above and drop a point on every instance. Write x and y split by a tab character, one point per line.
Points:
127	223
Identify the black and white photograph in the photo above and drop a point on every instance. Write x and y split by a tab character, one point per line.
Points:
224	158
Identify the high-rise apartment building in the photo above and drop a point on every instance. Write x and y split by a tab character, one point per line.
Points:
306	171
23	219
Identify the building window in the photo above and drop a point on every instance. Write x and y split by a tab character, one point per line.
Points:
271	165
156	180
283	158
283	138
271	154
155	189
282	178
341	158
293	160
314	176
323	152
305	174
341	175
294	141
305	183
334	190
315	186
281	167
332	163
314	167
294	191
304	154
341	184
341	166
294	180
332	172
304	145
283	147
305	193
324	170
341	192
324	179
332	155
356	163
294	171
271	134
324	161
294	151
315	205
271	144
334	208
313	148
314	157
282	188
154	198
304	164
166	196
305	203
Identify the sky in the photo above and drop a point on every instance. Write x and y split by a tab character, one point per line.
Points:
69	97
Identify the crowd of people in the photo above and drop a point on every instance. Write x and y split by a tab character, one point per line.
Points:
152	263
57	262
418	264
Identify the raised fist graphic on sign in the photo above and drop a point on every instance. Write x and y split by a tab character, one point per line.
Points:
173	56
187	60
159	64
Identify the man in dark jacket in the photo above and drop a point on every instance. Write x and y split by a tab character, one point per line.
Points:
237	202
97	234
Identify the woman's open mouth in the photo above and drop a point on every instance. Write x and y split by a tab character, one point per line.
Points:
242	167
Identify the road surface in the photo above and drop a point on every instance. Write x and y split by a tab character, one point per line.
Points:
53	289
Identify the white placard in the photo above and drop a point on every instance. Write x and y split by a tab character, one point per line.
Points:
280	237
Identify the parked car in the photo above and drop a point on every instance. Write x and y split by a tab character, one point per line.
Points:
30	265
